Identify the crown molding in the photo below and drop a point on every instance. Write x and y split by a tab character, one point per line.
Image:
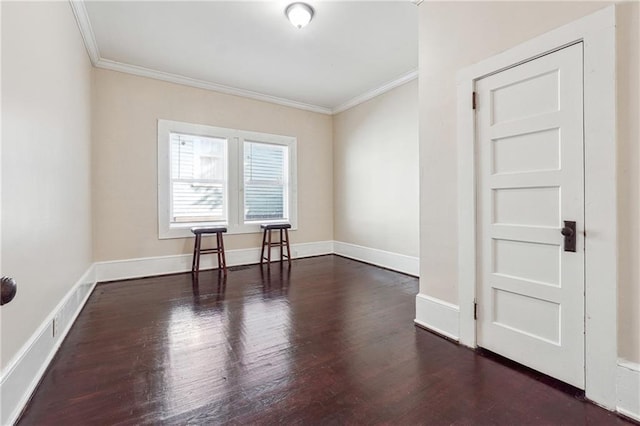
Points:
84	24
202	84
405	78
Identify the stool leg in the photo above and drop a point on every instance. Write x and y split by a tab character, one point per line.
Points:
281	247
195	252
199	253
221	249
264	241
269	249
218	250
198	245
286	232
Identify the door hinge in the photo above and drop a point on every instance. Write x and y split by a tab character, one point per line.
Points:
475	310
474	100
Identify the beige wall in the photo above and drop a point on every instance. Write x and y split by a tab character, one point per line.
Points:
375	151
46	218
628	44
125	113
454	35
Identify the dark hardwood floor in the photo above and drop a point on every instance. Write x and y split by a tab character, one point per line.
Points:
329	341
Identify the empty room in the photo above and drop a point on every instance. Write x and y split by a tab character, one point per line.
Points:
320	212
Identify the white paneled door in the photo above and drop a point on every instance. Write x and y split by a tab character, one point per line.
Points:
530	181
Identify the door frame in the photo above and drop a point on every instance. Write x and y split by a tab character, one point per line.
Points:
598	37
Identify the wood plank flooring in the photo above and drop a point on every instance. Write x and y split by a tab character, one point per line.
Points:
328	341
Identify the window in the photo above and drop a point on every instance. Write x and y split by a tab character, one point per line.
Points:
265	181
198	178
209	175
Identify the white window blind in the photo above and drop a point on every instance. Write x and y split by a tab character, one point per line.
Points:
265	181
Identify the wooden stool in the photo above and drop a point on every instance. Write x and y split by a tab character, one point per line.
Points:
283	243
218	249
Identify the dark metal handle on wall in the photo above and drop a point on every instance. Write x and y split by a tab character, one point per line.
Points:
569	232
9	288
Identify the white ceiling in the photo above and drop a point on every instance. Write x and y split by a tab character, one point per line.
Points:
350	49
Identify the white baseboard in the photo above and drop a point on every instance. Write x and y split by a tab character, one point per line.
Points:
386	259
437	315
160	265
24	371
149	266
628	389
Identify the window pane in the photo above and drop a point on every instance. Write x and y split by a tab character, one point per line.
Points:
265	181
198	175
197	157
193	202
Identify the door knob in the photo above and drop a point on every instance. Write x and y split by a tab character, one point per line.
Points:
569	232
8	289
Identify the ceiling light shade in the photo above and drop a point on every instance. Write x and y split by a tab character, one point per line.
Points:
299	14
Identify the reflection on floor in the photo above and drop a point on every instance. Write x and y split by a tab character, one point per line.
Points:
327	341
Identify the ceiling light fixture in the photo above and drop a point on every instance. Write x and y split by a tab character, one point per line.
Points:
299	14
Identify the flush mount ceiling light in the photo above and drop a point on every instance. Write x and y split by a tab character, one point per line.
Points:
299	14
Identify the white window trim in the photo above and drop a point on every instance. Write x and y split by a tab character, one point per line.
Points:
235	186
